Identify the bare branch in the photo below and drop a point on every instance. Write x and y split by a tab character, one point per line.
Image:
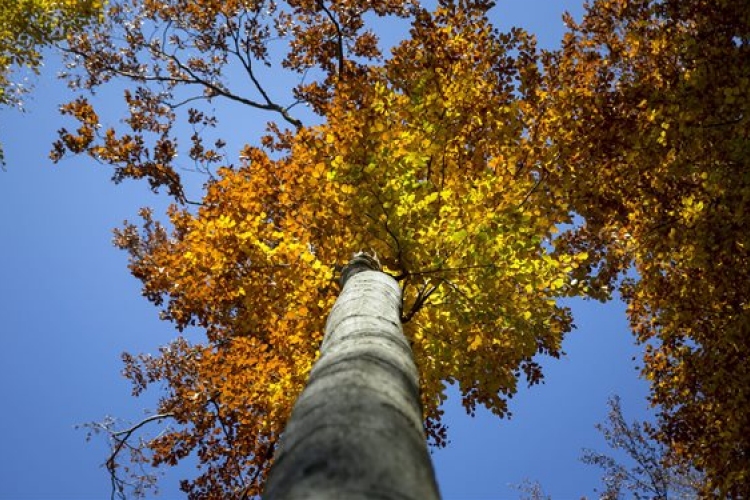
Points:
120	438
650	477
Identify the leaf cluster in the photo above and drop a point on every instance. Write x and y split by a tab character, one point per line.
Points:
26	28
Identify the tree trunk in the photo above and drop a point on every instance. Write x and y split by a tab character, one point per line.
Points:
356	431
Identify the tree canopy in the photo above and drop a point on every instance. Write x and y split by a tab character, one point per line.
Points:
422	160
648	113
491	179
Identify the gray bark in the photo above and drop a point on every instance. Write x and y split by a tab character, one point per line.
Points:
356	431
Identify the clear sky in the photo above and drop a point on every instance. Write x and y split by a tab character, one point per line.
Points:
69	307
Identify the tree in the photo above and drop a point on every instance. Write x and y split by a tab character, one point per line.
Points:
426	159
646	110
26	27
651	476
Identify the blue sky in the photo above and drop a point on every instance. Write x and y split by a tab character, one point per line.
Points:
69	307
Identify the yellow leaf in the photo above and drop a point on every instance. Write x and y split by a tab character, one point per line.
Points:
476	343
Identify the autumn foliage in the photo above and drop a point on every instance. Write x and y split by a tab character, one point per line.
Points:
490	178
409	169
27	27
648	112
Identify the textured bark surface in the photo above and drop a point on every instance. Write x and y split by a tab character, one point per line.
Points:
356	431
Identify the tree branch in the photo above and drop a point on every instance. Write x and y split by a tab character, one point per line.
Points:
339	37
121	438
